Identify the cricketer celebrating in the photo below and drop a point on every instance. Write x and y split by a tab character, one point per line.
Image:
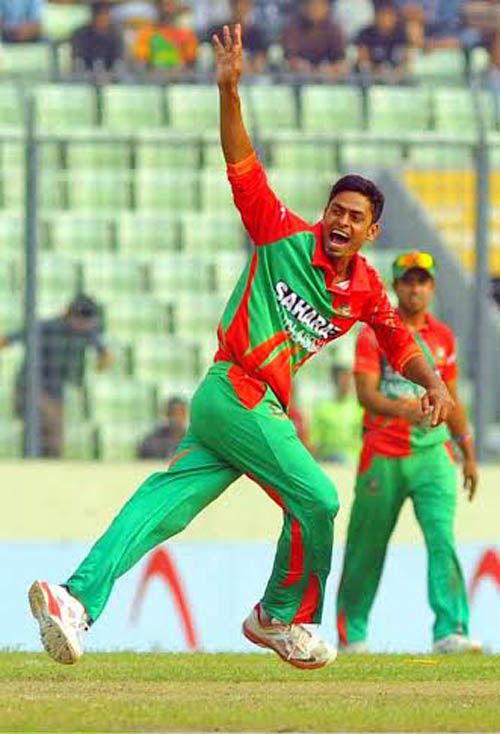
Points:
403	456
302	287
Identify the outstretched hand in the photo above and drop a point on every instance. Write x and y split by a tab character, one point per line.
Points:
228	55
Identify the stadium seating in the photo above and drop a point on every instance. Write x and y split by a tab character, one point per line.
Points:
136	209
331	110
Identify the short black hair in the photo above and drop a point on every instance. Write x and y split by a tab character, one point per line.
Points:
84	307
364	186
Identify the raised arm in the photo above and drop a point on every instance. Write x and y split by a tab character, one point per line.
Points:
236	143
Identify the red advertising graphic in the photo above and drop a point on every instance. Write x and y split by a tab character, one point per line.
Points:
161	564
488	567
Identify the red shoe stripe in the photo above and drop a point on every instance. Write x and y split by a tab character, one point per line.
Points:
53	605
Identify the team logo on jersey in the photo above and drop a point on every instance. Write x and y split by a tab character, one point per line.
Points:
303	312
343	309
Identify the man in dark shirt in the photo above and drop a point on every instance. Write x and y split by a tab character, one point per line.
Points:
312	41
254	36
98	44
63	342
384	46
162	443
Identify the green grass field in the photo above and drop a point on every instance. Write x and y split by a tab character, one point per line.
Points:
161	692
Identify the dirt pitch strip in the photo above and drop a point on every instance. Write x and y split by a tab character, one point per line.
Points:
125	692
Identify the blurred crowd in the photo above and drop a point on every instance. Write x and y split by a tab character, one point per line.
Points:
326	37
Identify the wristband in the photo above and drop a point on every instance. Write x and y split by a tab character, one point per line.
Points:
463	438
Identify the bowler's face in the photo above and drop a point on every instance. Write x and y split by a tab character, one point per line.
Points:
347	224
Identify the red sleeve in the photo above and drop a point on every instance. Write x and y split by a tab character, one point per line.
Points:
449	372
367	354
392	335
265	218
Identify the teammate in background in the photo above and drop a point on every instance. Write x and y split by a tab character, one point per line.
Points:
303	287
404	456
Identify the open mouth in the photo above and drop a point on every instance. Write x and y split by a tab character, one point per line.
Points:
337	237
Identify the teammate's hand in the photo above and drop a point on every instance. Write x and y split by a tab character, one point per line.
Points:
228	55
471	477
437	403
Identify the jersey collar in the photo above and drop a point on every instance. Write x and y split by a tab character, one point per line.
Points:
359	278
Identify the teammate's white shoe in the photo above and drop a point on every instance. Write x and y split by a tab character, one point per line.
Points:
455	644
294	643
355	648
62	620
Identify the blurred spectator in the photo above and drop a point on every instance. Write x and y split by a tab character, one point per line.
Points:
312	41
162	443
21	20
133	14
165	44
98	44
336	423
254	38
383	48
482	18
63	342
432	23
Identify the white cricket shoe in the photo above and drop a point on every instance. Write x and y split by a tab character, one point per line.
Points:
294	643
62	620
455	644
355	648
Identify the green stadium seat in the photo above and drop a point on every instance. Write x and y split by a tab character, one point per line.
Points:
167	191
101	152
170	151
169	358
11	314
103	189
331	109
212	232
115	400
81	440
59	278
213	157
447	154
143	235
11	106
304	192
11	439
12	234
108	276
196	315
398	109
12	188
176	273
75	234
193	107
271	106
29	60
65	106
216	195
13	153
455	110
9	274
367	156
445	62
127	316
119	441
133	107
7	400
301	151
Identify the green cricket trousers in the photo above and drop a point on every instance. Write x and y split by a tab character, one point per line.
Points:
428	477
227	439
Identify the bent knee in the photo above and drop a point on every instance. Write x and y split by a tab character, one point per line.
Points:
328	500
